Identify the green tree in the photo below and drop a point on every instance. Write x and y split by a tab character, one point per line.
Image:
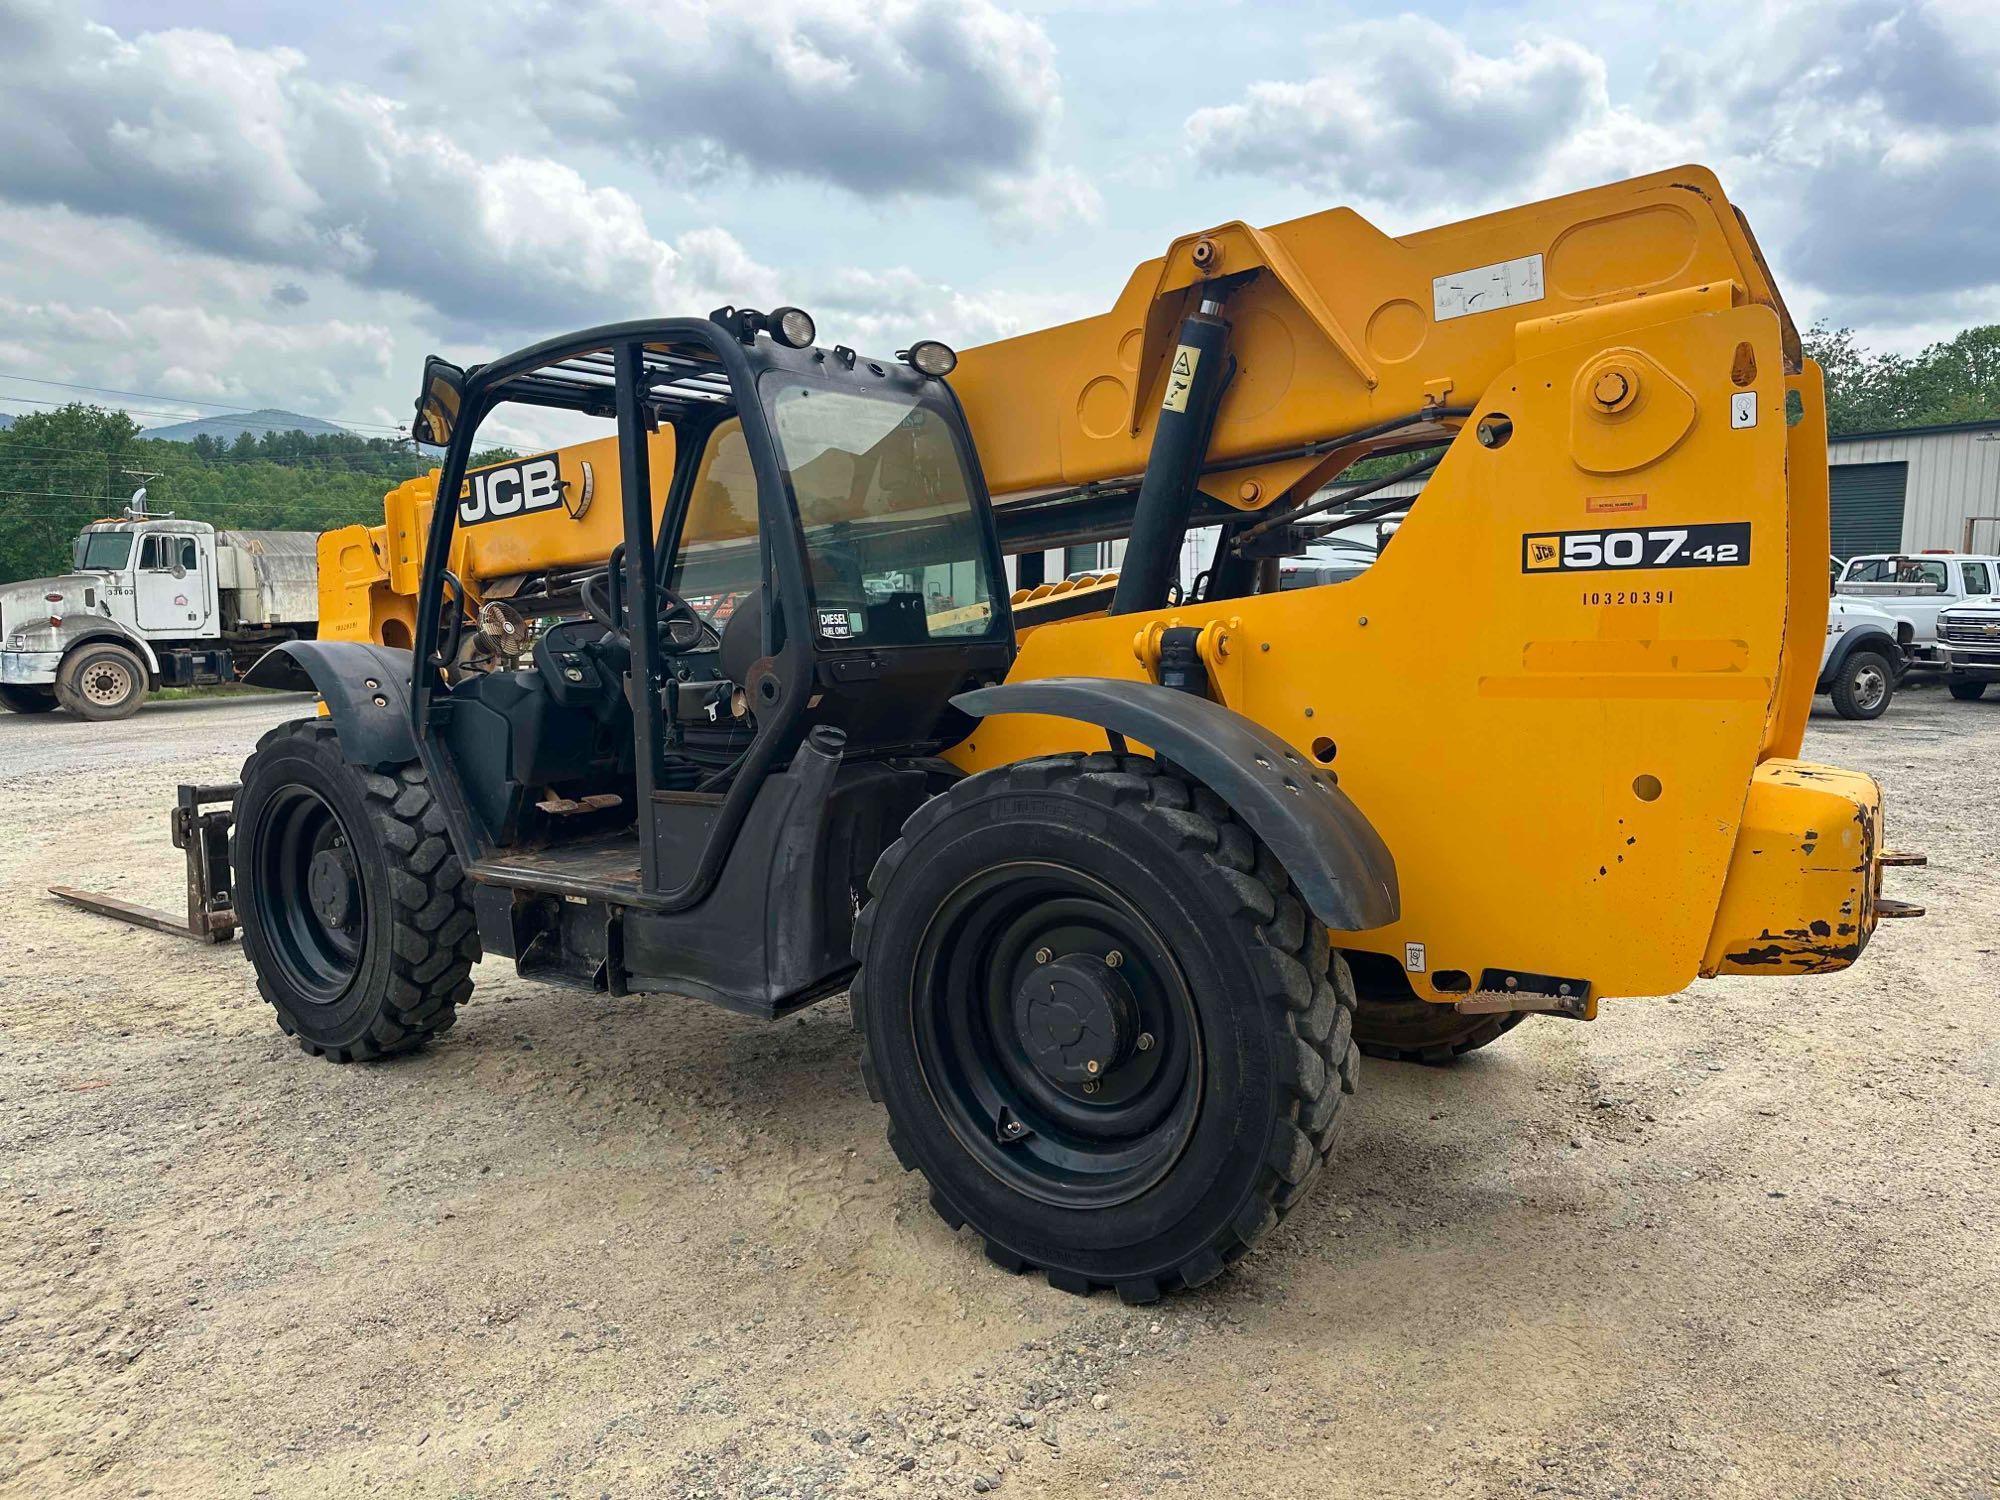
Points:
1957	380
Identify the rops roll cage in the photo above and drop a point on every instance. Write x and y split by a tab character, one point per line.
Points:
637	373
694	373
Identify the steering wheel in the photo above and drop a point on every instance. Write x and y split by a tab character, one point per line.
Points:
682	628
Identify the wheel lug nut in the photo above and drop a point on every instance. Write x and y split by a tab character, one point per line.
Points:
1092	1087
1090	1066
1113	959
1145	1042
1042	955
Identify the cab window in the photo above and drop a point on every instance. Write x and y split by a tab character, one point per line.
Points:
716	562
893	541
1975	577
108	550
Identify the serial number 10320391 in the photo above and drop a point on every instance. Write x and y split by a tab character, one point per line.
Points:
1723	544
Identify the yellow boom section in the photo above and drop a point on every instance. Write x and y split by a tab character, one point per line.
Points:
1592	644
368	574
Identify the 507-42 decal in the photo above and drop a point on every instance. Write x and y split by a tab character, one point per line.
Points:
1723	544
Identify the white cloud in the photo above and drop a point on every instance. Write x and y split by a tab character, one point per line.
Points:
1865	135
112	306
887	309
957	98
1406	113
1869	134
239	152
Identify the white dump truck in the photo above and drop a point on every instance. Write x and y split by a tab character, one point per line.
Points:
152	602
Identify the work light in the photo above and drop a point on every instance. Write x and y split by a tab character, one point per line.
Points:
929	357
792	326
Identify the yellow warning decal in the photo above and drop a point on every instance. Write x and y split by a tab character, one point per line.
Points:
1180	379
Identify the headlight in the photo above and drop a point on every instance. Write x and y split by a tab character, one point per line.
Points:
929	357
792	327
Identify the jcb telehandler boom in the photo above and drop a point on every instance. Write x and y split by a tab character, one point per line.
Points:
1118	900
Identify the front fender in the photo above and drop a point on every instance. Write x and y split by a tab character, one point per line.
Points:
366	689
99	628
1853	641
1343	870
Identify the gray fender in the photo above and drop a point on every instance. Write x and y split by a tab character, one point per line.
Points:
366	689
1335	857
118	634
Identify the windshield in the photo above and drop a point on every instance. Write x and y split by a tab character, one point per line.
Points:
892	540
109	550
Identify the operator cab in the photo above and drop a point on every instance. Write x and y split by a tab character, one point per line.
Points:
748	692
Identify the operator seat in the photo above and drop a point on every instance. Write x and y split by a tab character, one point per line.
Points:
743	639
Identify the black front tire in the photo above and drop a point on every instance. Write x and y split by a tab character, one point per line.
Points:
27	699
1206	1126
1967	691
102	682
1863	685
356	915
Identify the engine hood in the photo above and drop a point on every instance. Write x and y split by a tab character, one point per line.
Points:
27	607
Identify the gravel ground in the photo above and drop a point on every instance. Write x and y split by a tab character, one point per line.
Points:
1740	1242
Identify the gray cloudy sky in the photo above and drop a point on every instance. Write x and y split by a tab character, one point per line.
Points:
235	202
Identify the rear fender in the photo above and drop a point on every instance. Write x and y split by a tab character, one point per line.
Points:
366	689
1341	866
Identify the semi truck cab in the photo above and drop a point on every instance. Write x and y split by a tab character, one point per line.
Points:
151	602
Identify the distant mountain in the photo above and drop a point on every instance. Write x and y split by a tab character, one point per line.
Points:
228	429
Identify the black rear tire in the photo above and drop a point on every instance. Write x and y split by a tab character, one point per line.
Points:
1968	692
1392	1023
1223	1027
102	682
356	915
1419	1031
1863	685
20	698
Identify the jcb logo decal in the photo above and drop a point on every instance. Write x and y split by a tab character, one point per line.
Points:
516	489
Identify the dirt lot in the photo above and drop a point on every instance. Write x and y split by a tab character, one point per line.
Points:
1737	1243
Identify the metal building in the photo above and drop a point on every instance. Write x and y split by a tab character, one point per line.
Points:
1917	489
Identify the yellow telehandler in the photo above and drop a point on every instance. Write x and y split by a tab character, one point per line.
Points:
733	704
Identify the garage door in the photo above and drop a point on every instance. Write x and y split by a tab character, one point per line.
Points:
1868	507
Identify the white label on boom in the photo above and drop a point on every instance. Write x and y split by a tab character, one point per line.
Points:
1484	288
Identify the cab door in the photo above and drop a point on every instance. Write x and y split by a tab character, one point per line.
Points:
170	594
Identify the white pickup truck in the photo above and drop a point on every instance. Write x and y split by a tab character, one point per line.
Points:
1969	644
152	602
1915	586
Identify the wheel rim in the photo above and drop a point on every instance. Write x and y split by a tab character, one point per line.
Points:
1057	1035
307	888
106	683
1870	683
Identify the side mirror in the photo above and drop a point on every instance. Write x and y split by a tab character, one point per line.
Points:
439	403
